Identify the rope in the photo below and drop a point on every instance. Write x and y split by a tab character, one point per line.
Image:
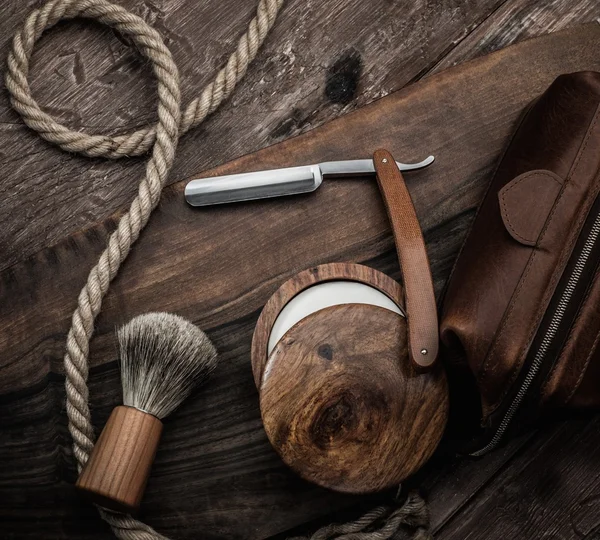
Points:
381	523
161	139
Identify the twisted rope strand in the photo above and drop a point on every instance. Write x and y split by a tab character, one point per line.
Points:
152	47
161	139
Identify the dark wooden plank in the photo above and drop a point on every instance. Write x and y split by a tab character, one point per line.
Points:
516	20
448	482
452	482
551	491
216	475
323	59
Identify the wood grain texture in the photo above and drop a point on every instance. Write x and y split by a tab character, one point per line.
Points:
215	474
91	79
323	59
302	281
344	407
551	491
516	20
116	474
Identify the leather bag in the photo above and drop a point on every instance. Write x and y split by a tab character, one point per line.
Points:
521	312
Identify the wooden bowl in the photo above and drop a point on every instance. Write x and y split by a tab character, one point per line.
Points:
340	401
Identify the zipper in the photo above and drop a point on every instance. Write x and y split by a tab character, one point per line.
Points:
548	337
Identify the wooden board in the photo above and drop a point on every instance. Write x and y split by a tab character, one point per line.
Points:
215	475
324	58
551	491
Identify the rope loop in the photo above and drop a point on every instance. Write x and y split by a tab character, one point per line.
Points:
150	45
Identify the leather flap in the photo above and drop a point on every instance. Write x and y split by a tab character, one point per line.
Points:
526	202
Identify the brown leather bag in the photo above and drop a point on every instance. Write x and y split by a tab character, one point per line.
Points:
522	308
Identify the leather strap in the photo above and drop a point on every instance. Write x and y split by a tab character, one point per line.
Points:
419	297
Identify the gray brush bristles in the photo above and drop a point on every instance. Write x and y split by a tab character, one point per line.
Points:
163	357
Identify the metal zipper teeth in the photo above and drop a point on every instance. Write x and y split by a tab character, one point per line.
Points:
548	337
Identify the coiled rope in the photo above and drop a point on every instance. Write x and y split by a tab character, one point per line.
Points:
161	139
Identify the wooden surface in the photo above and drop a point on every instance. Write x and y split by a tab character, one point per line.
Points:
216	475
323	59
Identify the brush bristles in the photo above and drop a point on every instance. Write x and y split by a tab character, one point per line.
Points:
163	357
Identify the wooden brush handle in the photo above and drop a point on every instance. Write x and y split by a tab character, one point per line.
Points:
115	475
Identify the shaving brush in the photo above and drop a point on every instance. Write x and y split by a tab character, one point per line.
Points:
163	358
